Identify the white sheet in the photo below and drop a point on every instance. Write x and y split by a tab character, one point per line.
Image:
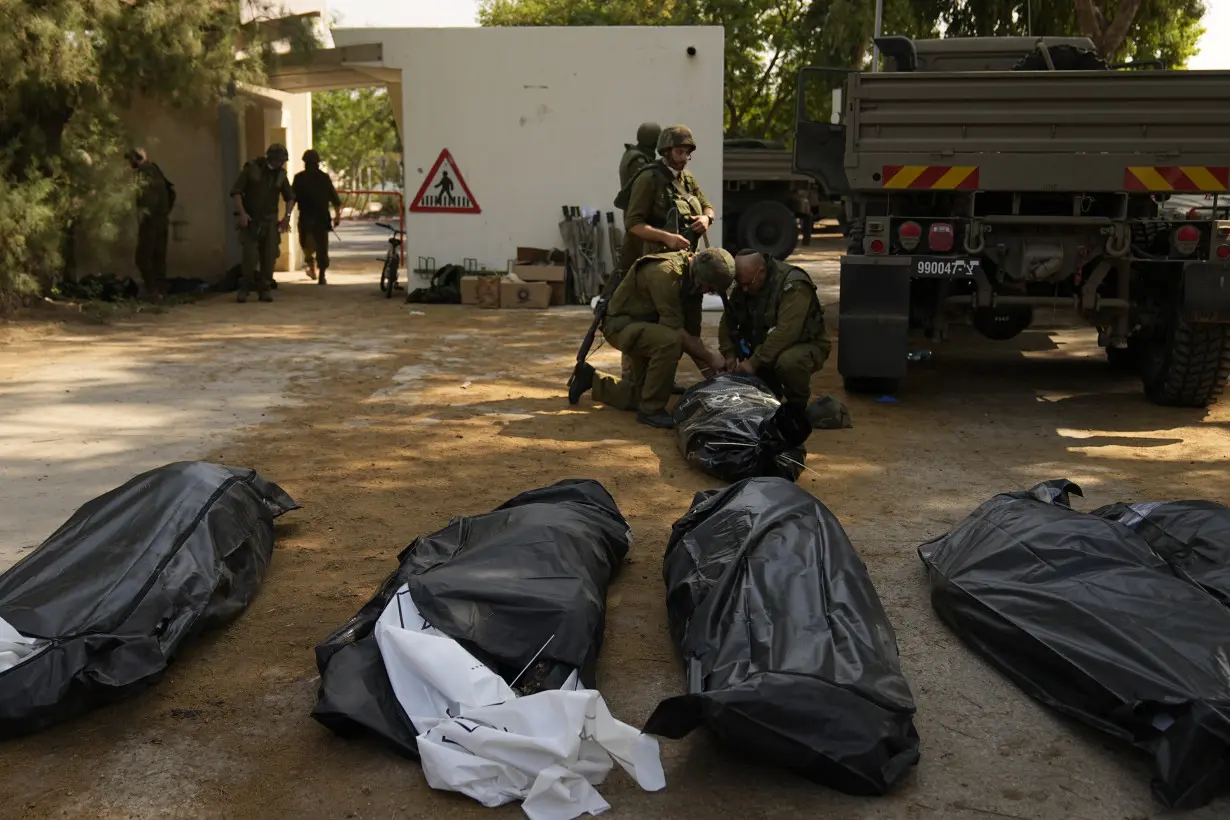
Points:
549	749
16	648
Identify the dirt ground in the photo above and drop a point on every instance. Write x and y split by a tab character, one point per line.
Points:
384	420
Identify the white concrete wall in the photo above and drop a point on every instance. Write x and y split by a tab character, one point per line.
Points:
537	118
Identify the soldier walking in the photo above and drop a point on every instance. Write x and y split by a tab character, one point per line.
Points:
255	194
155	198
314	193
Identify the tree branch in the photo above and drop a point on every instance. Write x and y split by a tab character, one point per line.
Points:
1087	17
1114	34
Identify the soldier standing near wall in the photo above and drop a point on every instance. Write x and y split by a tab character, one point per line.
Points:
155	198
255	194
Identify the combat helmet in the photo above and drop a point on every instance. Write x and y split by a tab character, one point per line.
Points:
714	268
675	136
277	151
648	133
311	157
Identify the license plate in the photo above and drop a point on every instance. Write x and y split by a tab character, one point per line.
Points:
945	266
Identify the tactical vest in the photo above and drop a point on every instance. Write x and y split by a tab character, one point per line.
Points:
668	197
757	315
264	188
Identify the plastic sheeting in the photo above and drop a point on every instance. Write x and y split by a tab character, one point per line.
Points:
111	597
733	427
1084	616
790	657
1193	537
495	623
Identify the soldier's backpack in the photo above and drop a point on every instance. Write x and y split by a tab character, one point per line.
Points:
445	287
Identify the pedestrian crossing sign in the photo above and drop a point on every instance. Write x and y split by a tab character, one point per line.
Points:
444	191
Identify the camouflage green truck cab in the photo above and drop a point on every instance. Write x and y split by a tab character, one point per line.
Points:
985	179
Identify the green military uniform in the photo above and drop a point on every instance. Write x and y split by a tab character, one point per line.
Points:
637	156
647	311
260	185
314	193
153	227
783	325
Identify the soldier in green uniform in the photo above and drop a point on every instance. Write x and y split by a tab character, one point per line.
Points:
155	197
780	324
314	193
662	198
640	154
255	194
655	317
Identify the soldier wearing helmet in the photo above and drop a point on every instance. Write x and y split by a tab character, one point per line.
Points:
663	199
314	193
255	194
779	322
654	317
639	154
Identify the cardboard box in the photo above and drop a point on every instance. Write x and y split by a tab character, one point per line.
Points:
542	265
525	295
480	291
557	293
488	291
541	273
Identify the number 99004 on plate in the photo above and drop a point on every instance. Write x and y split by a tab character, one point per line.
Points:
945	267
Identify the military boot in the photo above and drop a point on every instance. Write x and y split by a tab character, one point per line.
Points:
662	420
241	297
321	280
581	382
266	297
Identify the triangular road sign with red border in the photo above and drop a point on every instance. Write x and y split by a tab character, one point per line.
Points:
443	193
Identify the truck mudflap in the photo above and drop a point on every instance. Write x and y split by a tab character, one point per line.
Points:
1206	291
874	317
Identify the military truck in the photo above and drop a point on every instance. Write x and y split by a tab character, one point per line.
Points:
987	180
766	204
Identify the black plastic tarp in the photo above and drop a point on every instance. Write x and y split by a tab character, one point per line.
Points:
532	573
1192	536
733	427
115	592
1084	616
790	656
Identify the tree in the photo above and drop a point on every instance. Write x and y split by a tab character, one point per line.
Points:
354	131
71	68
1165	30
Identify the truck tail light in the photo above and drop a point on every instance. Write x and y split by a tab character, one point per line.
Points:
940	236
909	234
876	246
1186	238
1193	213
1223	251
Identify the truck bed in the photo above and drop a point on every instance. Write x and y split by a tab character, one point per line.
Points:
1084	131
759	165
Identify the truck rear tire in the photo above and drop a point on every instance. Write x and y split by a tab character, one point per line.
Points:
1187	365
769	227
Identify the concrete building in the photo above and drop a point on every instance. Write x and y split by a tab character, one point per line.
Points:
534	119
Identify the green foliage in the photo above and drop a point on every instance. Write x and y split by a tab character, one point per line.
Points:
1165	30
768	41
355	132
71	68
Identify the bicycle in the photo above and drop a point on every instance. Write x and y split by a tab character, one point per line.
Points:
392	261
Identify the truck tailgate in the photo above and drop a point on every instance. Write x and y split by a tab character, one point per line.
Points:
1081	131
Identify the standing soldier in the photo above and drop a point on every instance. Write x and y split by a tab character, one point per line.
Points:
655	317
314	192
155	198
635	157
640	154
255	194
662	198
779	324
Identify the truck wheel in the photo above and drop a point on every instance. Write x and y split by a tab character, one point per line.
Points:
770	228
1187	364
